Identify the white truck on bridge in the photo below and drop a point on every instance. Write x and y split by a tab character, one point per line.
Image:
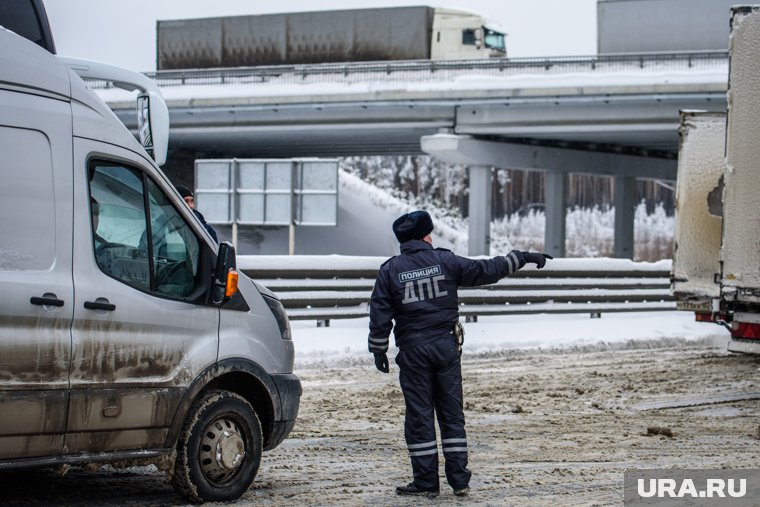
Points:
716	261
352	35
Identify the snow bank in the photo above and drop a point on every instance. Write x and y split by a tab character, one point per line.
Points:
337	263
346	340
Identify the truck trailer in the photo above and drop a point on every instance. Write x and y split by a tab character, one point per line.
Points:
716	264
353	35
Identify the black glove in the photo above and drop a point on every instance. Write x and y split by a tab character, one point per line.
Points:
381	362
539	259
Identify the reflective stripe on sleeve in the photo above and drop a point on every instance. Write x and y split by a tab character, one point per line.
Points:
378	344
510	263
514	262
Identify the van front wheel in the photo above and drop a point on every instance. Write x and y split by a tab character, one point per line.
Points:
219	448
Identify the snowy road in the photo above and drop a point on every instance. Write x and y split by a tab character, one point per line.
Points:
546	426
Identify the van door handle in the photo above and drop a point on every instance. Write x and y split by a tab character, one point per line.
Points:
97	305
46	301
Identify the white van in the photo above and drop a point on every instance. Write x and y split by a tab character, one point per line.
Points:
122	333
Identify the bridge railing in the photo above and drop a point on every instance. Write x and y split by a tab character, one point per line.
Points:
439	70
323	288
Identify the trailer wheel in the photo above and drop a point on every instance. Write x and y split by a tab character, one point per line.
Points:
219	449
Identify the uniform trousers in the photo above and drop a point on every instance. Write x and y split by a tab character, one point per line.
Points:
431	380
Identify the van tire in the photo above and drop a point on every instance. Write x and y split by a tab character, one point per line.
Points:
209	466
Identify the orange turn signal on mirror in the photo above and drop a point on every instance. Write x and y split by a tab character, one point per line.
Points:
232	283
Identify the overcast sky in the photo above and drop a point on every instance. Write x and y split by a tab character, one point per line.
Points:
122	32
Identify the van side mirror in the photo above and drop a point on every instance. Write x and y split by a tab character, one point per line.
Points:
224	280
153	125
152	112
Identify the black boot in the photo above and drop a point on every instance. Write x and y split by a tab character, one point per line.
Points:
412	490
462	491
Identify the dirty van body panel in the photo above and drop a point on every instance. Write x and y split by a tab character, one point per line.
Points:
131	364
274	397
36	307
121	419
256	333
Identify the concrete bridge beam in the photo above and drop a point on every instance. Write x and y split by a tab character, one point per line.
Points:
480	154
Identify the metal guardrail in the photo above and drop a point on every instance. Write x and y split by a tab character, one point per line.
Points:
437	70
322	293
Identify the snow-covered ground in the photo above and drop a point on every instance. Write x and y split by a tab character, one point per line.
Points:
347	339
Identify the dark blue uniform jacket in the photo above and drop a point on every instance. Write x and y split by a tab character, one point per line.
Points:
418	289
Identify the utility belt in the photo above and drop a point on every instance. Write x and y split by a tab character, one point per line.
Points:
458	333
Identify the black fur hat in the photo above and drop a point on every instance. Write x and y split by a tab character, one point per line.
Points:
414	225
184	191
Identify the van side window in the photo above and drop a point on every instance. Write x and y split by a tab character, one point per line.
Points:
139	237
119	225
176	250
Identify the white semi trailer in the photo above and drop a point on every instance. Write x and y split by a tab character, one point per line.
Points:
716	264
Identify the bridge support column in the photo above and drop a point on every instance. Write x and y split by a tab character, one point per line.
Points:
556	211
479	237
625	206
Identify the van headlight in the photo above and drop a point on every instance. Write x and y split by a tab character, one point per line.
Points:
280	316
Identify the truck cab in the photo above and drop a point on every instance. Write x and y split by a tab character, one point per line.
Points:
461	35
125	331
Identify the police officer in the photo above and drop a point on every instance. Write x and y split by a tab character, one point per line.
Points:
189	198
418	290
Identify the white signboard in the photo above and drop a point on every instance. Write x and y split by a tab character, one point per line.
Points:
272	192
316	193
214	190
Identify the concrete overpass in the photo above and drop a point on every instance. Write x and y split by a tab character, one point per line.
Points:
606	115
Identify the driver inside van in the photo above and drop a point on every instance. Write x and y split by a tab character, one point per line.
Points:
103	256
95	208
